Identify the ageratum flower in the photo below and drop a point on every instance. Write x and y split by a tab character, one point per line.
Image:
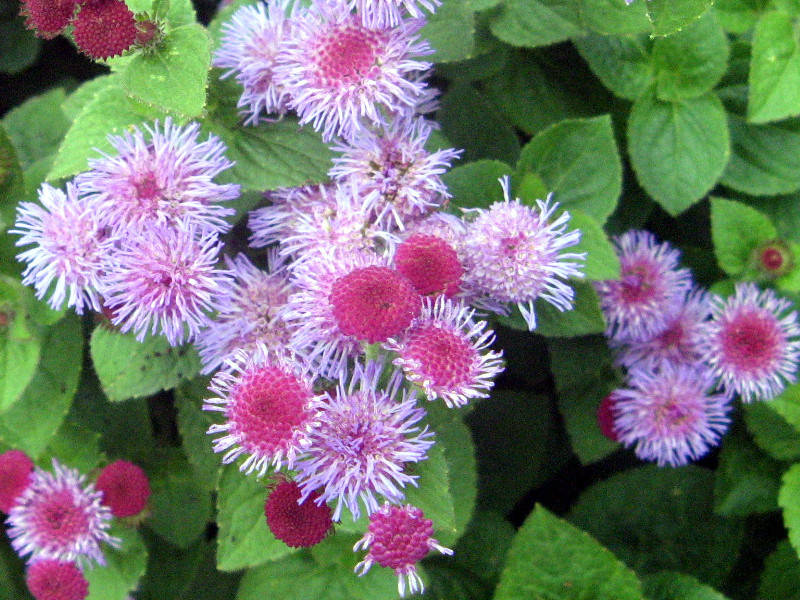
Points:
430	264
341	73
160	176
363	435
16	468
752	343
297	524
70	248
388	13
513	254
60	516
51	579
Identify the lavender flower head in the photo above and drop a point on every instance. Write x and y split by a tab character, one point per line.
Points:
389	13
513	254
274	223
161	176
670	416
396	177
70	247
361	441
60	516
164	280
340	72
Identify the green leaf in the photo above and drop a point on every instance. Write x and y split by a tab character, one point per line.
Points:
37	126
669	16
20	345
534	23
74	445
677	586
737	16
470	122
33	419
601	259
623	64
578	161
737	230
193	423
614	17
789	501
176	491
131	369
110	112
19	47
174	77
549	558
765	159
170	570
658	519
84	94
774	70
772	432
692	61
451	31
476	184
244	540
125	567
678	149
781	573
12	576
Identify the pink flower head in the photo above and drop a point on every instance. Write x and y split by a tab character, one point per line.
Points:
751	343
70	247
398	538
397	178
362	438
298	524
162	176
251	41
513	254
339	73
51	579
605	417
60	516
16	468
446	352
678	342
374	303
430	264
125	488
669	416
249	313
48	18
163	280
266	402
650	289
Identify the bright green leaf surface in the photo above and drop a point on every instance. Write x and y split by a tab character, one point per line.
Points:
37	126
737	16
774	70
614	17
669	16
125	567
623	64
677	586
74	445
552	560
476	184
737	230
20	345
789	501
678	149
451	31
585	317
601	259
578	161
534	23
131	369
771	432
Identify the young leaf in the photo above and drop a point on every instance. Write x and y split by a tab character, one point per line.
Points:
549	558
737	230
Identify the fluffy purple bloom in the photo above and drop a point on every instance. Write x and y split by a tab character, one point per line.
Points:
163	280
651	287
70	247
513	254
396	177
251	41
752	343
161	176
249	313
274	223
388	13
340	73
59	516
361	440
670	416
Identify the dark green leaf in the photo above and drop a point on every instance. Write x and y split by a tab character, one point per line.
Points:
789	501
780	575
623	64
534	23
193	423
19	47
677	586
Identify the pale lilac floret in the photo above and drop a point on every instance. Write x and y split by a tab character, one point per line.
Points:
650	288
61	517
251	41
442	225
274	223
388	13
670	416
397	178
341	74
249	312
364	434
752	343
163	280
161	175
70	246
677	343
447	353
266	399
514	254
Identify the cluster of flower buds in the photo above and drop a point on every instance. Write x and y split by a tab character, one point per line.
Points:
687	352
59	522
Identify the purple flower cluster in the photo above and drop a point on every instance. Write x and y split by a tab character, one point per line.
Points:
137	235
687	352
